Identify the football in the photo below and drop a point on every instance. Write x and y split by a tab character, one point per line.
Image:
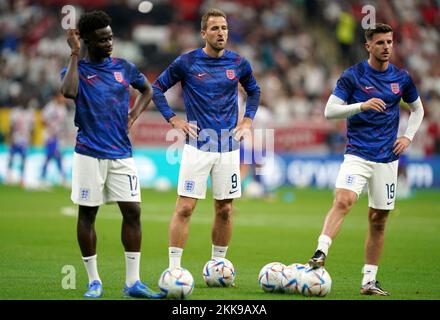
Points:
219	273
270	277
177	283
314	282
290	277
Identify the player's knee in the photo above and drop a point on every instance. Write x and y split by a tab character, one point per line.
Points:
378	225
344	202
184	210
131	214
87	216
85	223
224	211
378	220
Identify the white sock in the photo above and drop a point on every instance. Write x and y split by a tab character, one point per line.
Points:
219	251
369	271
324	243
92	268
175	255
132	262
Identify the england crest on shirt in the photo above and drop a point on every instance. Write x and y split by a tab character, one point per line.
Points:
230	73
118	76
395	88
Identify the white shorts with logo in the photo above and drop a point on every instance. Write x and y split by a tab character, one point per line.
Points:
196	166
97	181
381	178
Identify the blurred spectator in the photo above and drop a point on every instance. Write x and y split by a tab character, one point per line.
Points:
345	33
22	119
336	138
54	116
297	48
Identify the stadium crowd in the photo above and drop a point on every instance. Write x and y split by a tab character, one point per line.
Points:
297	49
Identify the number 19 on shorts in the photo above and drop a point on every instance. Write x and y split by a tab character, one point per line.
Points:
391	188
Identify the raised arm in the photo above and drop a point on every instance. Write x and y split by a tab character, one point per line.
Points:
69	87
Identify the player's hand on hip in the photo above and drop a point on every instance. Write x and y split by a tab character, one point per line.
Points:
186	127
131	119
73	40
401	145
374	104
243	129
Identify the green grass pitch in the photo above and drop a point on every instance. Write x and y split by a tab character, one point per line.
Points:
38	238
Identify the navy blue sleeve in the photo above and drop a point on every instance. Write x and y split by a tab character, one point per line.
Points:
137	79
344	86
173	74
252	89
410	93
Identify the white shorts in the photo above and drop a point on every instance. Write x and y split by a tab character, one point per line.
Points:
98	181
355	172
196	166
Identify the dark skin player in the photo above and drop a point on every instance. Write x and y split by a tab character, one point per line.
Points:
99	46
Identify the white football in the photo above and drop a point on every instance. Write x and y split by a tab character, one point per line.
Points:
314	282
291	275
270	277
219	272
177	283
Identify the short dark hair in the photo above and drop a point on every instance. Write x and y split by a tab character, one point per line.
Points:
211	13
377	28
91	21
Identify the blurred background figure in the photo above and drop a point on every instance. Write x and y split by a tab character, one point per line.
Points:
253	153
404	189
336	138
53	117
22	120
298	49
